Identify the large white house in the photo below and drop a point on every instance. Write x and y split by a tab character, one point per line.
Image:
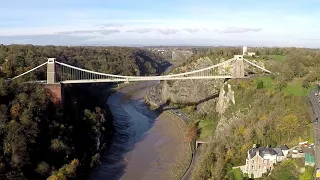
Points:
260	160
245	51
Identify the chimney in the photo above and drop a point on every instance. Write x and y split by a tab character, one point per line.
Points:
257	152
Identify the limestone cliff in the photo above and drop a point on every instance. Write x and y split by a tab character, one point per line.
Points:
225	96
201	93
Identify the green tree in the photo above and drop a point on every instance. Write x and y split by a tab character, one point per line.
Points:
57	145
260	84
305	84
307	174
43	168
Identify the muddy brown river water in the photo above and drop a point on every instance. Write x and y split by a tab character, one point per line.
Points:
146	145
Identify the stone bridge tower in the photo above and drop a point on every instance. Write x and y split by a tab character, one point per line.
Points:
51	71
55	88
238	67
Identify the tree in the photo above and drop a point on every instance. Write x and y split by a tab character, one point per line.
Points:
68	170
58	145
260	84
43	168
305	84
307	174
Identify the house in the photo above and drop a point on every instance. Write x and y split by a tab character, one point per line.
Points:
261	160
251	53
245	52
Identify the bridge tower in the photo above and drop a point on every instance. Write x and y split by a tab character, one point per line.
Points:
51	71
238	67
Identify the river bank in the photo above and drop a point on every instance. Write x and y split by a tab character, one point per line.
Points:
147	145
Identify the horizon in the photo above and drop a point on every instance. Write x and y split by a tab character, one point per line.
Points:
166	23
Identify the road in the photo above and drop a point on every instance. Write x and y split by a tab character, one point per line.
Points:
316	112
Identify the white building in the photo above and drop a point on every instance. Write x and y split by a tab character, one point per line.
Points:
244	50
260	160
251	53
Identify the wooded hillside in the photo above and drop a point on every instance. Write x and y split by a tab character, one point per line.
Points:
270	111
16	59
39	140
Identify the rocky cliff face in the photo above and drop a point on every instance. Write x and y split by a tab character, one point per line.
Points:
208	95
225	96
202	93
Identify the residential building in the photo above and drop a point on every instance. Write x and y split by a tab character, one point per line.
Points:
251	53
261	160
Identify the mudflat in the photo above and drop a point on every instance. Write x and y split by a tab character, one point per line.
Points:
163	152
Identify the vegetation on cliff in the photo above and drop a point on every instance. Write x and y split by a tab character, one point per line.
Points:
39	140
269	111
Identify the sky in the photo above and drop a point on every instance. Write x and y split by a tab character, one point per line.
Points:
161	22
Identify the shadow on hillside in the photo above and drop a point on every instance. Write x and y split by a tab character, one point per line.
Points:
165	106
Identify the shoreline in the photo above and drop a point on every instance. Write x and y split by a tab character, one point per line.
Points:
172	120
162	149
154	105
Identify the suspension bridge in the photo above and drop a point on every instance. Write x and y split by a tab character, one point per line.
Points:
58	72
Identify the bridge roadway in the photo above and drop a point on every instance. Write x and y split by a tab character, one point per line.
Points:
72	74
147	78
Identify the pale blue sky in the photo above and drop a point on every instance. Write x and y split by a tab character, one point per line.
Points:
165	22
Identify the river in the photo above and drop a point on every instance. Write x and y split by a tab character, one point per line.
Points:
145	145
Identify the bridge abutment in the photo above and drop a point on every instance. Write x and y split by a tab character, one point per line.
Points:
56	93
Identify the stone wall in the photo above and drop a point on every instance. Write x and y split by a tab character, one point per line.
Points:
56	93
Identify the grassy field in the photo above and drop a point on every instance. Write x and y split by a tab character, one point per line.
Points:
267	82
237	174
278	57
206	128
294	87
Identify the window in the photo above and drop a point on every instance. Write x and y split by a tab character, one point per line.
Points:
265	161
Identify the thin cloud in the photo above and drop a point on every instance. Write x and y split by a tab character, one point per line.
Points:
146	30
167	31
54	39
191	30
238	30
143	30
101	31
107	25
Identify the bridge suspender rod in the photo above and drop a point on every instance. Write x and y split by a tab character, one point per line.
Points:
29	71
84	70
193	72
257	66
